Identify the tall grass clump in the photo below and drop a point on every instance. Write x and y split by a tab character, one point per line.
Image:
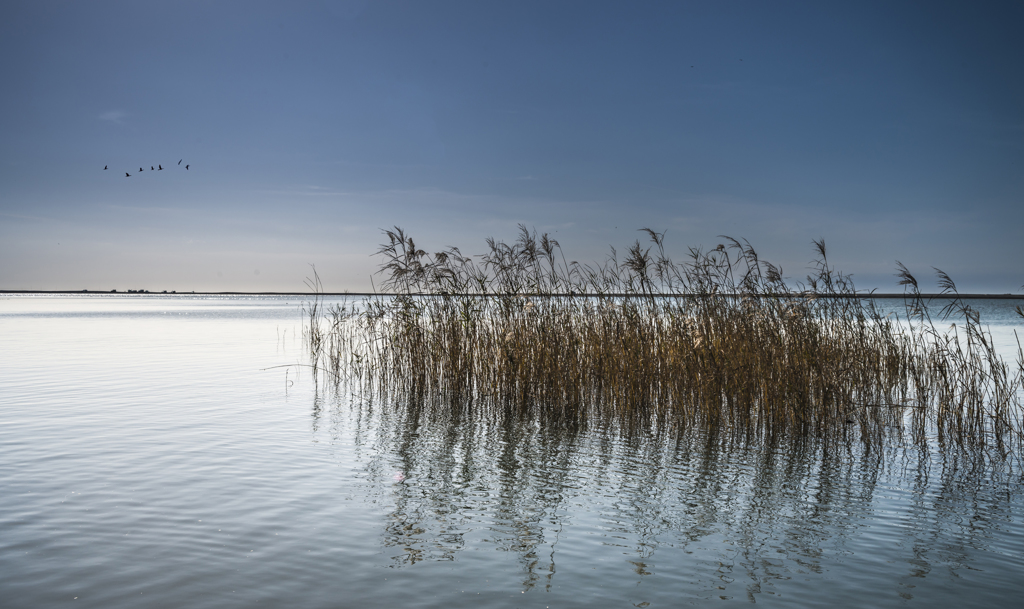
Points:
718	341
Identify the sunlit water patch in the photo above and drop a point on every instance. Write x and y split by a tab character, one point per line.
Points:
152	453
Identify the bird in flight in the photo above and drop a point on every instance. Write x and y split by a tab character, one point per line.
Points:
127	175
186	166
104	168
161	167
140	168
180	160
151	168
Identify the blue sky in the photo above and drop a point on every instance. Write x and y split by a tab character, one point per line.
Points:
895	131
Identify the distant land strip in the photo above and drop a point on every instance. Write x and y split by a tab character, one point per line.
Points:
525	294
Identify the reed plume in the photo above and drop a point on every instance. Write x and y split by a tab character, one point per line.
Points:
718	341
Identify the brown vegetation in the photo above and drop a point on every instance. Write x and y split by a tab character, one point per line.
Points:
720	342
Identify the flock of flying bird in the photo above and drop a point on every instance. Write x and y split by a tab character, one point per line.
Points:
151	168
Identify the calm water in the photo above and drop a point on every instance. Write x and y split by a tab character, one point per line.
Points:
152	455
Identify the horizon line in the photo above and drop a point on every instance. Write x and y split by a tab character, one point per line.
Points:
866	294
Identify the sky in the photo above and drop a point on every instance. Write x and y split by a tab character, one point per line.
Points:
892	130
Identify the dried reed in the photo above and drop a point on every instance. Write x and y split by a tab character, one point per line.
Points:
719	341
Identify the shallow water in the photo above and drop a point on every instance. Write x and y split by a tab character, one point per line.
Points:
151	454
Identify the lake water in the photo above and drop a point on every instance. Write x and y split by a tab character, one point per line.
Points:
153	455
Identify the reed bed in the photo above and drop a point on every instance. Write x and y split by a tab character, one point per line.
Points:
718	341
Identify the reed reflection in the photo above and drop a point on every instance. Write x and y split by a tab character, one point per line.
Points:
743	513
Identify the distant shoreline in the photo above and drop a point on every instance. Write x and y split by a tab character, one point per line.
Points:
422	295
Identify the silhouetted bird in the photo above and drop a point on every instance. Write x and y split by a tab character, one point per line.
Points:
161	167
151	168
140	168
186	166
104	168
180	160
127	175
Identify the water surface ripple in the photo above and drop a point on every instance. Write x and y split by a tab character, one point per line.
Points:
151	454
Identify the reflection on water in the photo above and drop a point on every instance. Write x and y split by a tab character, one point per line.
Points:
743	519
152	454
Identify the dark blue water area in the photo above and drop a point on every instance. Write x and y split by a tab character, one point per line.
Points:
175	452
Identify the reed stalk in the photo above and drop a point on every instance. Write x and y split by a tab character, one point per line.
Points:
719	341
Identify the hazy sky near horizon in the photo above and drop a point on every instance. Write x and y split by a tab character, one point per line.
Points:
893	130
